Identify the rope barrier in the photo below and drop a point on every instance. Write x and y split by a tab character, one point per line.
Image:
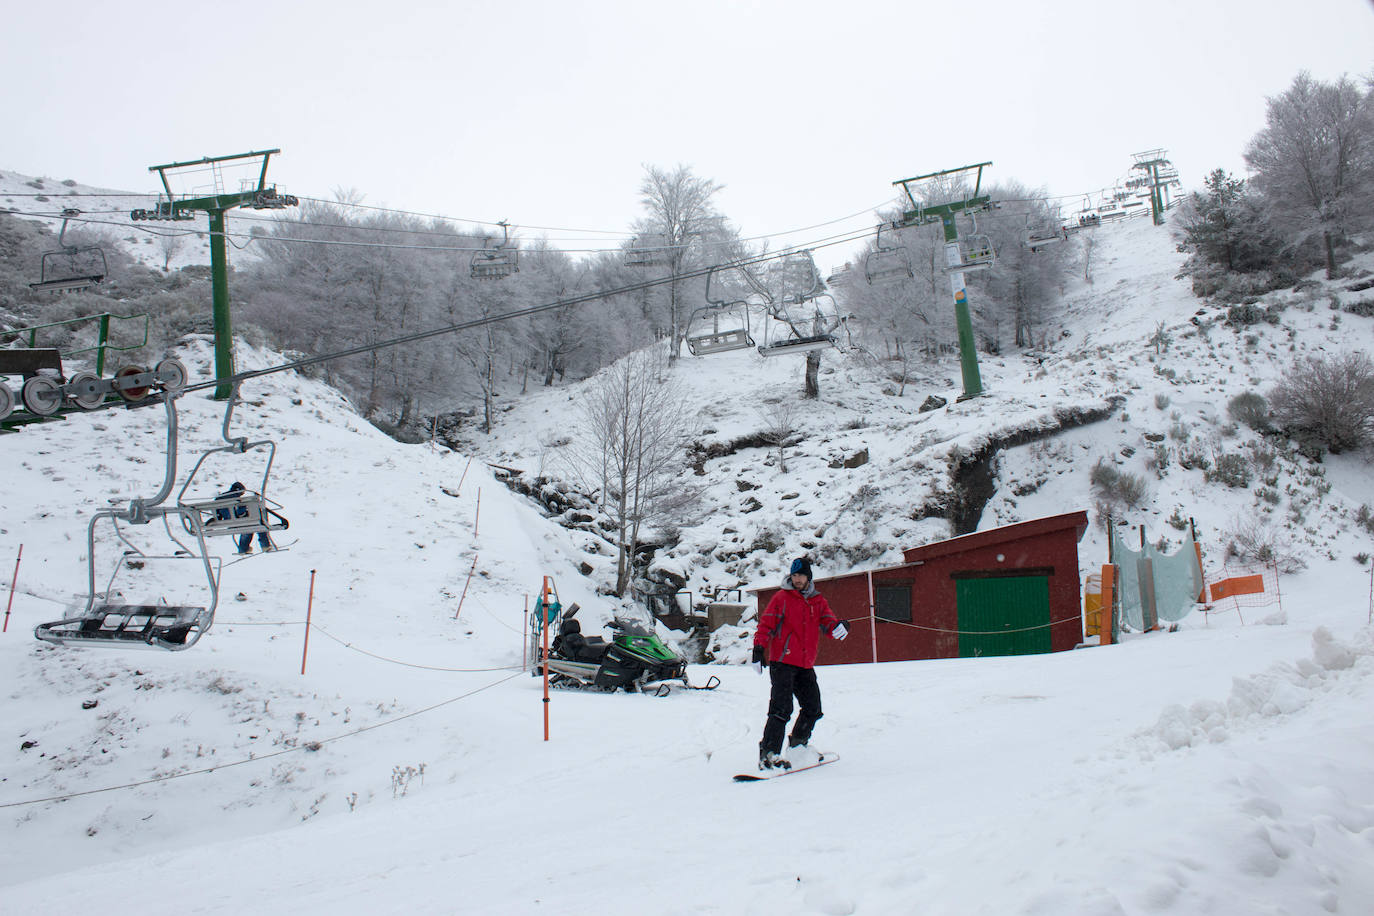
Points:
318	629
916	626
307	746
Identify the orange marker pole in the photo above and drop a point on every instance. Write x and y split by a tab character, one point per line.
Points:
309	607
463	596
544	625
13	583
465	474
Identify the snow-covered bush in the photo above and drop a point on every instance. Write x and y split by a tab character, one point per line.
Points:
1254	540
1327	401
1251	409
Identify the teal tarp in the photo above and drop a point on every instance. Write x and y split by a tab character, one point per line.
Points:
1176	579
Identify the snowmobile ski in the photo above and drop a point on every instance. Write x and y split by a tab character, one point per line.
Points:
774	774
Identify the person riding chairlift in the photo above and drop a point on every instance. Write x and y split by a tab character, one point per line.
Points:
245	540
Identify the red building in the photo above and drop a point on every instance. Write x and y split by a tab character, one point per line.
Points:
1008	591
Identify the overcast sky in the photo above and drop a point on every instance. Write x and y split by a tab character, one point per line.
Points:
544	112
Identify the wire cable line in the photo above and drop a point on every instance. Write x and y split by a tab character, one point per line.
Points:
312	745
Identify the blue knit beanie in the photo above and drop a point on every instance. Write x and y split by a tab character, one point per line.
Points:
801	565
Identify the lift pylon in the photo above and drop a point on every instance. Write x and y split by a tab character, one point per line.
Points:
1160	174
941	197
214	200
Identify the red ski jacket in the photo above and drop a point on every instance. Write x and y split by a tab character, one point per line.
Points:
790	626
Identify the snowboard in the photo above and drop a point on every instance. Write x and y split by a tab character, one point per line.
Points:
775	774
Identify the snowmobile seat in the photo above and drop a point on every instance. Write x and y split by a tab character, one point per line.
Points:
577	647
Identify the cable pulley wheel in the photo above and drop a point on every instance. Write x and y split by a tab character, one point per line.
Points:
171	375
131	394
83	389
6	401
41	395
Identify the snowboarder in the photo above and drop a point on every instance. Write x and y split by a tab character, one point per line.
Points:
786	641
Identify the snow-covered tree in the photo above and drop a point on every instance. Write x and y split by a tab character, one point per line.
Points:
680	213
1314	161
635	425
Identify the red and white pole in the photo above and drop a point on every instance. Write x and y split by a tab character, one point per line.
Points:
309	607
13	583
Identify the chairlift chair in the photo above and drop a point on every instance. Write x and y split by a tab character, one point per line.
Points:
722	324
794	278
975	250
238	511
496	263
1045	233
799	337
975	253
886	263
70	268
105	620
645	252
719	329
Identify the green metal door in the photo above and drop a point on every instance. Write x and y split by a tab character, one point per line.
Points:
1003	615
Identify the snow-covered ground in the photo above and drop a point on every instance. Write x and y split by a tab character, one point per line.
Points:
1222	768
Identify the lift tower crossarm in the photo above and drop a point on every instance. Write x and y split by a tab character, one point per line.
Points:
920	214
262	197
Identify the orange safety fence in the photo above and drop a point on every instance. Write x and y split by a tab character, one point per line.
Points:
1236	587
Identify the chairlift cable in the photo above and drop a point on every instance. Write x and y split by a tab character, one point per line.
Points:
609	234
842	239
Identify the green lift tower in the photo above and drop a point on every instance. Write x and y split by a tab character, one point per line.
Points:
213	199
940	197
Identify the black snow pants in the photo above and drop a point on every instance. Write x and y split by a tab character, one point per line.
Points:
789	681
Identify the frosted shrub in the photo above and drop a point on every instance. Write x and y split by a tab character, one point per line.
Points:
1193	457
1253	540
1230	469
1115	488
1263	456
1327	401
1365	519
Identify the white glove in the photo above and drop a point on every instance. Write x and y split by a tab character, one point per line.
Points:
840	631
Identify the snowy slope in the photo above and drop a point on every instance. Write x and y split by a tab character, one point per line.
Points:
1218	769
104	220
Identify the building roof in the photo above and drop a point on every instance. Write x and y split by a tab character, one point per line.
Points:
979	539
1006	534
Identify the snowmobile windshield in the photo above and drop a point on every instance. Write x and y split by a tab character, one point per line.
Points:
631	627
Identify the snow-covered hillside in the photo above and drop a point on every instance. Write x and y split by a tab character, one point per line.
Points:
861	515
104	220
1222	768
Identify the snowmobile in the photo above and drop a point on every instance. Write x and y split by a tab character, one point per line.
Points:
635	658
